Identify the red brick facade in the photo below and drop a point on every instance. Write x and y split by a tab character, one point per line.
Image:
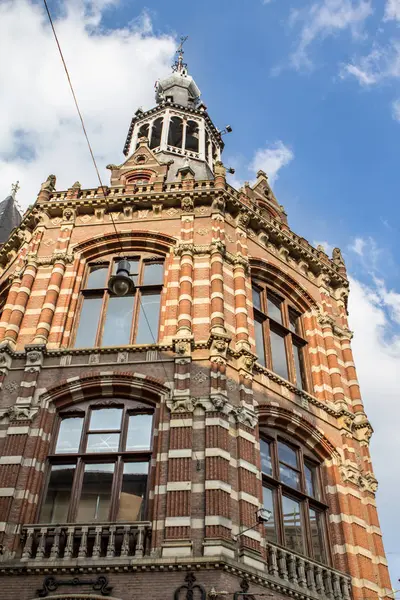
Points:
210	395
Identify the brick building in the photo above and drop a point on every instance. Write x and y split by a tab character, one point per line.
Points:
141	434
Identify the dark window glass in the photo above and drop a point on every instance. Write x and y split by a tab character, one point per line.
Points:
292	524
56	504
139	432
105	419
279	362
69	435
97	278
147	332
175	133
298	361
88	323
156	133
143	132
117	326
274	309
256	299
258	328
94	502
316	535
214	152
288	459
287	454
293	321
268	503
153	274
133	490
309	474
192	136
266	462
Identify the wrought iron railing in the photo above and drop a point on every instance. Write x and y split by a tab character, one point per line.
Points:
91	541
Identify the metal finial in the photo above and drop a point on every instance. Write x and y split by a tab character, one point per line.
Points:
14	189
179	65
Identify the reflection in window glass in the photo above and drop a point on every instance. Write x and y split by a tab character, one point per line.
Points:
117	326
293	321
258	330
133	491
316	535
268	503
97	277
139	432
147	331
103	442
89	319
266	463
289	476
256	299
309	476
153	274
279	364
298	362
274	309
94	503
55	506
292	524
69	435
287	454
105	419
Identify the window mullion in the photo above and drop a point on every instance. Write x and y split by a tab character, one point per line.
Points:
102	319
289	358
76	491
116	488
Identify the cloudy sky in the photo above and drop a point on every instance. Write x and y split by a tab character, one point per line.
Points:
312	91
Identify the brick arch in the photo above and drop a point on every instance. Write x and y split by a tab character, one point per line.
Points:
130	385
300	428
283	283
139	241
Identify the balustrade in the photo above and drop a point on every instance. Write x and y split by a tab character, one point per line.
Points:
85	541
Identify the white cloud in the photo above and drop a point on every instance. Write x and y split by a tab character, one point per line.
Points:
358	246
396	110
271	159
328	248
392	10
326	18
380	64
113	73
376	347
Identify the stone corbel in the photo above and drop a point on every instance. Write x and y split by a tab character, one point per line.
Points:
363	431
69	215
369	483
218	346
183	346
243	219
219	203
19	413
187	204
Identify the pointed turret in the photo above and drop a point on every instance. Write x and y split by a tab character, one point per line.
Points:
10	217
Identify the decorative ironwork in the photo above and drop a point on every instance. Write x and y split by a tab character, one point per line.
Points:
243	595
190	586
51	584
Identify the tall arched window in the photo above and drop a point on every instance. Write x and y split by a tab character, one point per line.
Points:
143	132
98	465
292	491
156	129
108	320
175	132
279	336
192	136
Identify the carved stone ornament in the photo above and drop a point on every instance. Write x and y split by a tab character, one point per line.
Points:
218	203
187	204
94	359
19	413
182	347
243	219
219	403
190	590
51	584
4	359
33	357
68	214
122	357
200	377
203	231
49	184
337	257
11	387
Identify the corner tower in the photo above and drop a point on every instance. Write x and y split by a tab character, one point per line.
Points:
201	434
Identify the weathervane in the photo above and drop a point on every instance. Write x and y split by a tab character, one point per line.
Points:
14	189
179	65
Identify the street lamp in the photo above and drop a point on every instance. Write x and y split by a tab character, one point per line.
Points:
121	283
263	515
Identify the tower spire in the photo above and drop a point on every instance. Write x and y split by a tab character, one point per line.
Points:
179	65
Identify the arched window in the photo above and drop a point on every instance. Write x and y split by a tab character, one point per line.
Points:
175	133
99	464
108	320
279	336
192	136
156	133
292	491
143	132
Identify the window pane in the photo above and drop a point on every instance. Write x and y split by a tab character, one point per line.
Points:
69	435
133	269
94	503
268	502
105	418
316	535
287	454
153	274
139	432
103	442
88	322
274	309
293	321
55	507
117	328
289	476
266	463
292	524
309	473
256	299
279	363
298	363
147	332
97	278
260	348
133	491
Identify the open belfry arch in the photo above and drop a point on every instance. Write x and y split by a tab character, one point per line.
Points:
142	434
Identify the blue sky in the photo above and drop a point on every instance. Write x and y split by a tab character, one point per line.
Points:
311	89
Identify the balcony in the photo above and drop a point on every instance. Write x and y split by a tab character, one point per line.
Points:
306	576
72	542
